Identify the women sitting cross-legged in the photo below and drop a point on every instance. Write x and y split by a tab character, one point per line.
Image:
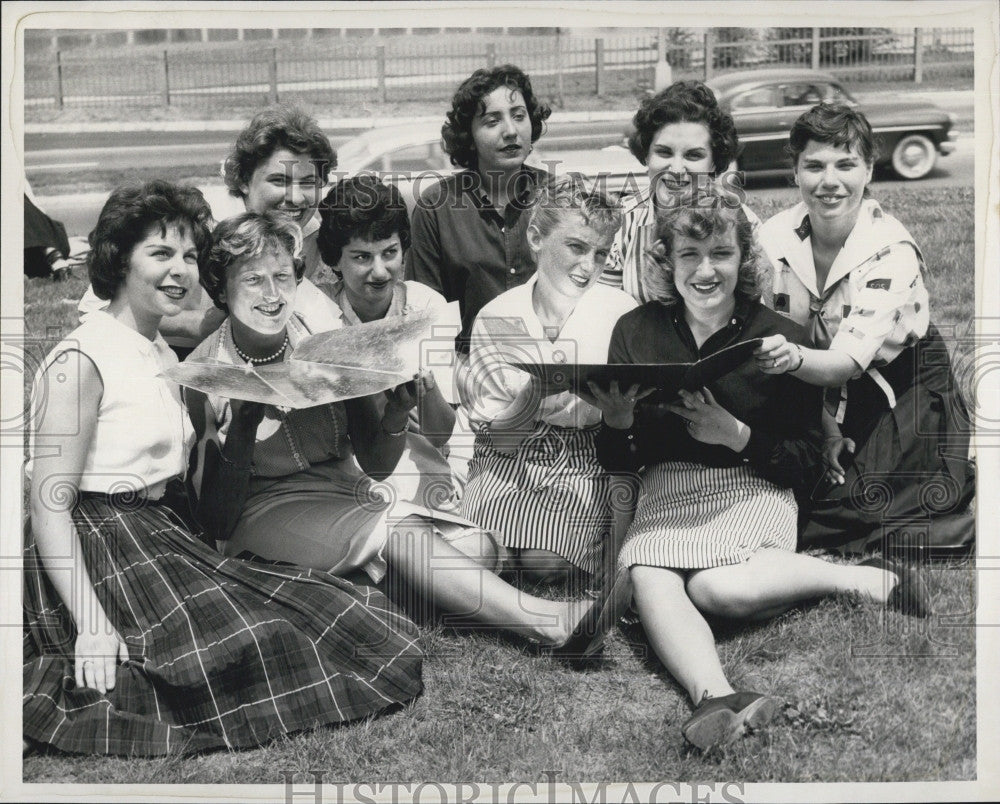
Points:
297	485
534	478
715	525
139	639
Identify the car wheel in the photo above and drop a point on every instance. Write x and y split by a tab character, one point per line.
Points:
914	156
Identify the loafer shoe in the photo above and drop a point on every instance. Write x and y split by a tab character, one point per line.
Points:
719	721
909	595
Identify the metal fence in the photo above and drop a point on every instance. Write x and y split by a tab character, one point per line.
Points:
410	69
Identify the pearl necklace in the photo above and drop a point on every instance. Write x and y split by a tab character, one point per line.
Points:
257	361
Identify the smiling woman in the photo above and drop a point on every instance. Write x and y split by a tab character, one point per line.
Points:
140	639
897	429
686	142
533	443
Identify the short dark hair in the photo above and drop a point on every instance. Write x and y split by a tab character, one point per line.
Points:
270	129
704	215
690	102
243	236
127	218
467	102
361	206
833	124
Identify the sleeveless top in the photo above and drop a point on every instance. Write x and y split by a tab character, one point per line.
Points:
143	435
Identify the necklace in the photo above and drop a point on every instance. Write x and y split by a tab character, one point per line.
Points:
256	361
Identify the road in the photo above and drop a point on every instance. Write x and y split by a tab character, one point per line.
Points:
143	149
79	212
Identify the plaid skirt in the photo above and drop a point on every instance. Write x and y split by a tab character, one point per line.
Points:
222	652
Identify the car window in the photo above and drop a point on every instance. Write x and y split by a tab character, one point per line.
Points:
834	92
801	95
754	99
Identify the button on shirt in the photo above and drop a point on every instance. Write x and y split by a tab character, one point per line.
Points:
465	248
782	412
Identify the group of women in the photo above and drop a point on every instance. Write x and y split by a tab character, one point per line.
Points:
205	572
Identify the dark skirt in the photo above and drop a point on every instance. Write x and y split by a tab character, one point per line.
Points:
222	652
910	481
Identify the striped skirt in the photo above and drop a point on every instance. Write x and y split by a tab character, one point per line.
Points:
691	516
551	494
222	652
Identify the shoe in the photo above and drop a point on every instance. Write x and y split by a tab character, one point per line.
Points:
719	721
909	595
593	627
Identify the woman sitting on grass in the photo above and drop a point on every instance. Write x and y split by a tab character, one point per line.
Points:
534	477
279	163
895	423
364	233
715	525
685	141
139	639
296	485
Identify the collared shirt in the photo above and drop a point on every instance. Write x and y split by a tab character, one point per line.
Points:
782	412
465	248
508	329
627	259
874	304
437	353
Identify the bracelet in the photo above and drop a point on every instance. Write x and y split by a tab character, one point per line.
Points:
802	358
397	433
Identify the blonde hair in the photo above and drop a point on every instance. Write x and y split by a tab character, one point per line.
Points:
600	211
699	223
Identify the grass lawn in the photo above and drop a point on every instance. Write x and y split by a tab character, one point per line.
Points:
869	696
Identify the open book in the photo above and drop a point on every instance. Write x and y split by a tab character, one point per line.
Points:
327	367
667	378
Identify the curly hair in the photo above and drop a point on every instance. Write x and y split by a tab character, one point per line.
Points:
272	128
130	215
467	102
699	222
364	207
600	211
834	124
243	237
689	102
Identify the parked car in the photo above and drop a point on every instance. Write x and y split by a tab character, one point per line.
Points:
765	103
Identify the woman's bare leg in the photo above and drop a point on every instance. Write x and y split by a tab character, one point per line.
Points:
478	544
772	581
678	633
457	584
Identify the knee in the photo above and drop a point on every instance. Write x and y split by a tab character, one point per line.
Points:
720	600
482	547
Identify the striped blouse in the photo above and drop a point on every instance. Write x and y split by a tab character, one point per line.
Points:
627	259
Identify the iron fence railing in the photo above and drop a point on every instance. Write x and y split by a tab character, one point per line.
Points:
396	70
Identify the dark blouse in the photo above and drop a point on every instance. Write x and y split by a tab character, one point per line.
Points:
466	249
782	412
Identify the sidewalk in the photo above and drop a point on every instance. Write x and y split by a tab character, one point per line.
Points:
959	102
